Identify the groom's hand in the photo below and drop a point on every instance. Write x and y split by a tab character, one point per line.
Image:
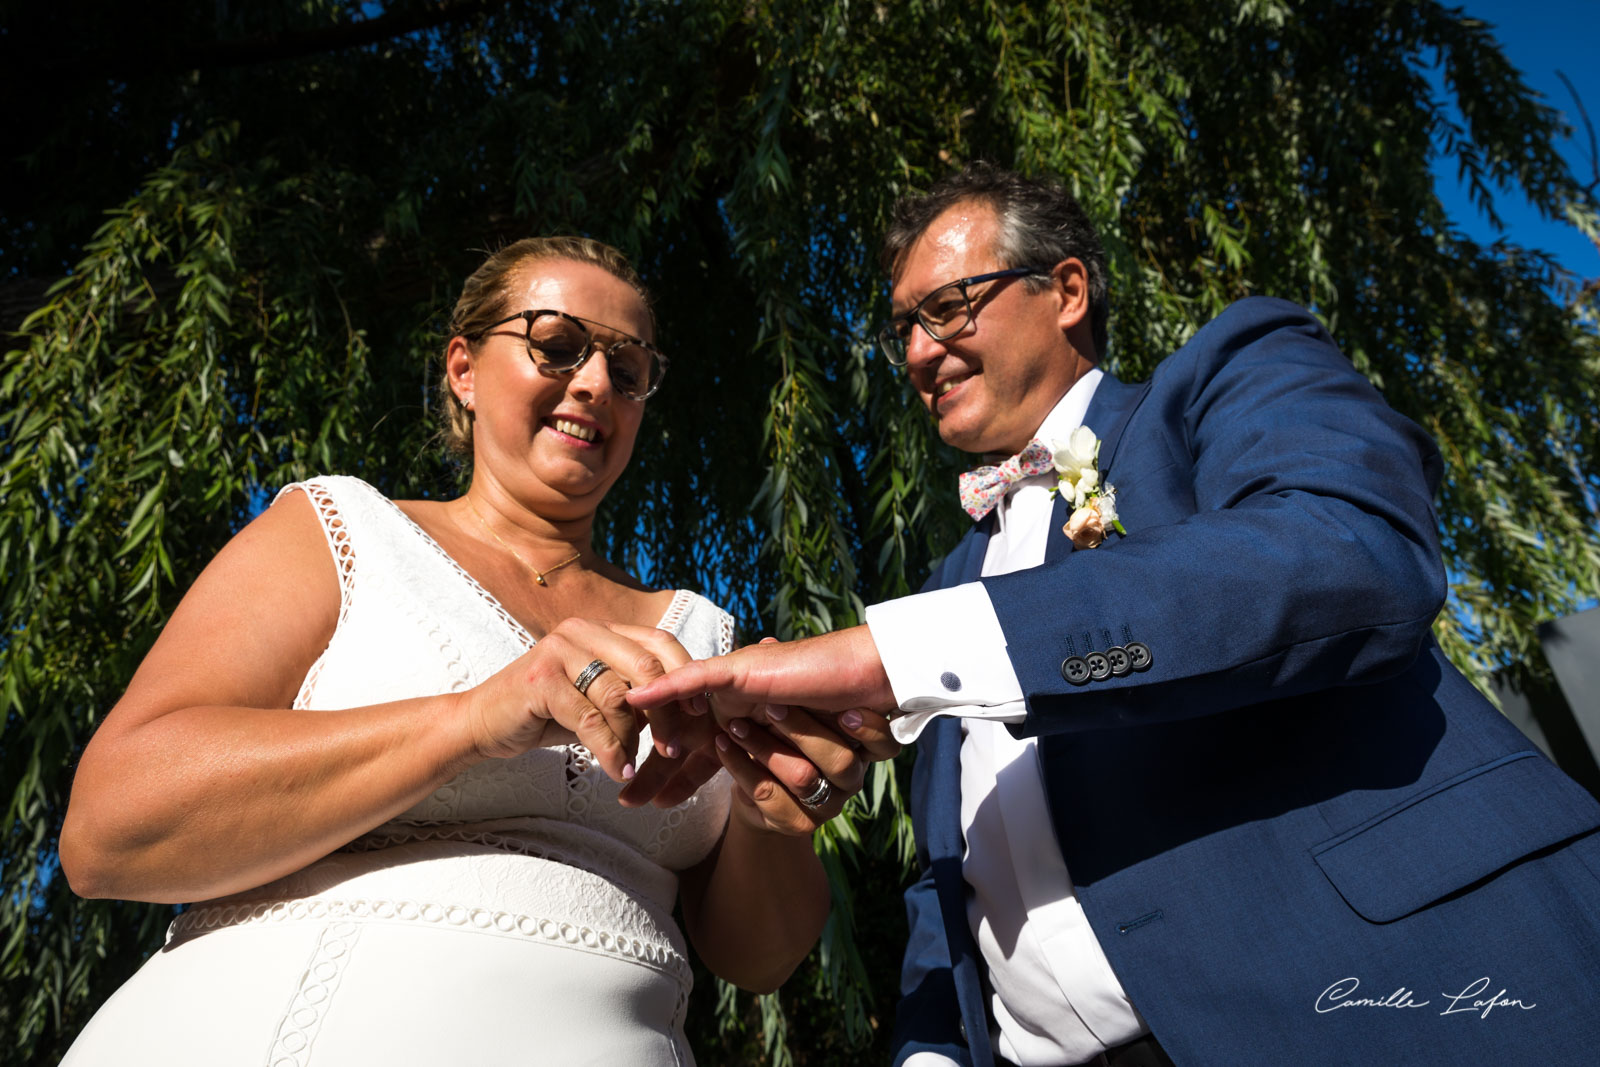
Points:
833	672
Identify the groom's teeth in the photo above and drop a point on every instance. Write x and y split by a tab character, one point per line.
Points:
944	387
572	429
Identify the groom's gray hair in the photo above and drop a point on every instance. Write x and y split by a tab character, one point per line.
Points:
1041	224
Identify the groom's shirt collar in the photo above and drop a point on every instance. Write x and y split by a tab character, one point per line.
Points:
1068	413
1066	416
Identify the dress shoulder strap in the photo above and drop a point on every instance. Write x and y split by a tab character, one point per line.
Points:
337	500
702	628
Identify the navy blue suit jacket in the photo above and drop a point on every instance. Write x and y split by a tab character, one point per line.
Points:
1299	791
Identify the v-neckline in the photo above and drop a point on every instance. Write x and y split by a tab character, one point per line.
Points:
519	631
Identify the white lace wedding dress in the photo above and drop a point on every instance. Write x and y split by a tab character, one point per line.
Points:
517	915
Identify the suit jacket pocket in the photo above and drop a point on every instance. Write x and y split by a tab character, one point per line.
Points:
1454	834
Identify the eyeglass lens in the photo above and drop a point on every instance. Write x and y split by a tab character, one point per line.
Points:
562	344
944	313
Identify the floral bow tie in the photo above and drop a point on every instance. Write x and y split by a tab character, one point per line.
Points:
983	488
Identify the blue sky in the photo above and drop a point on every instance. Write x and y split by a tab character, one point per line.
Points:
1540	38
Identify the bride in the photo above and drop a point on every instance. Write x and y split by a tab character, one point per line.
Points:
385	744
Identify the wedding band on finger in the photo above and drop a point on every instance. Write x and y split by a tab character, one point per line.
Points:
587	676
818	796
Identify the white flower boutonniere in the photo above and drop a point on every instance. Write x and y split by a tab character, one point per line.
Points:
1094	503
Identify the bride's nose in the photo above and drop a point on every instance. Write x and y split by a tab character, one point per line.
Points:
593	379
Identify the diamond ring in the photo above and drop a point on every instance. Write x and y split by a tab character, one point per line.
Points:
818	796
587	676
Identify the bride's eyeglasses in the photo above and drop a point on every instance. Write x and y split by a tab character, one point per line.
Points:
559	343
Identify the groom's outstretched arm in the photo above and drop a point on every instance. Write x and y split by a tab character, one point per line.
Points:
1289	543
833	672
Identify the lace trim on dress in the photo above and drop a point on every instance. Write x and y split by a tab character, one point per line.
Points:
652	883
512	624
682	600
338	535
291	1045
581	936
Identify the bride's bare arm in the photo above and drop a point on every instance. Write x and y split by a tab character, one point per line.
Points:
202	780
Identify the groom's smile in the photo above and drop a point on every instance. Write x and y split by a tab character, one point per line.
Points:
947	392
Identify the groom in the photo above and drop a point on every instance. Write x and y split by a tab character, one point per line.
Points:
1207	792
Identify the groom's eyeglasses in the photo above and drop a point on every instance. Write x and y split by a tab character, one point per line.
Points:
559	343
944	312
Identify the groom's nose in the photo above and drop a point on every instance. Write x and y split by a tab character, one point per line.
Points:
921	349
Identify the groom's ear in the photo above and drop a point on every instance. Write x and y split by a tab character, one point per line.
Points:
1069	280
458	364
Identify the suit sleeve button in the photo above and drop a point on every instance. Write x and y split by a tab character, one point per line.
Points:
1117	656
1139	656
1099	666
1075	670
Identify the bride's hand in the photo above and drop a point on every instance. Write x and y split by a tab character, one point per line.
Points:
514	711
685	755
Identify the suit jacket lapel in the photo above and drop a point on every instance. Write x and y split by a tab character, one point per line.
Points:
977	546
939	805
941	740
965	561
1113	404
1058	544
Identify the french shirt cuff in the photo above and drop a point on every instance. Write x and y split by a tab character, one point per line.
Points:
945	654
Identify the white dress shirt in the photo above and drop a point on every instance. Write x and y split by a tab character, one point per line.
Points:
1055	998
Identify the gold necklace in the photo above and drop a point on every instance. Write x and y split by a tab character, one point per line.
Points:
538	575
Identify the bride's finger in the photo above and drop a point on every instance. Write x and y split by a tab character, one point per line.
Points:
652	777
606	663
666	780
673	730
549	679
697	768
664	646
612	747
